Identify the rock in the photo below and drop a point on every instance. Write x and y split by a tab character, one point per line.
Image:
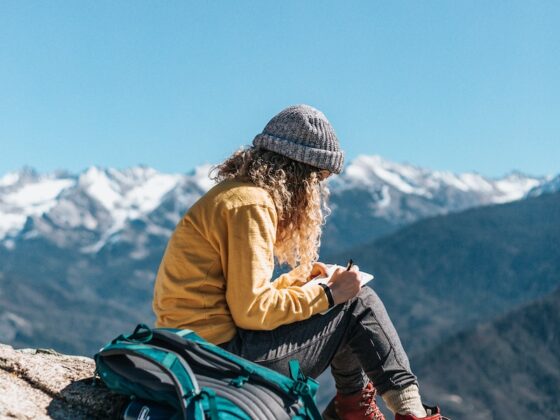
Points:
44	384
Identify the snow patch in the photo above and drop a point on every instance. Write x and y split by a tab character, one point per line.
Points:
385	198
9	179
32	199
10	223
96	183
397	181
450	179
365	169
147	196
514	188
40	194
201	177
476	182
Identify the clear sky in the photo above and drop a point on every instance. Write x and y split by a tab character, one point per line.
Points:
450	85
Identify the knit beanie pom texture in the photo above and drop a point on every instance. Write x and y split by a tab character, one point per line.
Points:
303	133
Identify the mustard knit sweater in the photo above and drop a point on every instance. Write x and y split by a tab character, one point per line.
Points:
216	271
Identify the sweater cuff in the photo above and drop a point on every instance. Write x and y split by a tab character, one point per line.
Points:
319	300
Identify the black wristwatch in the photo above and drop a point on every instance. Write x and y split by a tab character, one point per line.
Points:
328	292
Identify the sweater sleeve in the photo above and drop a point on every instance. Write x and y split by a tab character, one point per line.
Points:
253	301
292	278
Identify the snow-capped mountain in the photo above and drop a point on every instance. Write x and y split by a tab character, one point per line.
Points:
388	182
103	207
552	184
90	207
374	197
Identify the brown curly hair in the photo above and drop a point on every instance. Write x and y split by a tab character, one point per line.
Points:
299	196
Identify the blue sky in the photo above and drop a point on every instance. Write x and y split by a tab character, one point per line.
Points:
448	85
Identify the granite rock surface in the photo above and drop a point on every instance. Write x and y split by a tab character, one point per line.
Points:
44	384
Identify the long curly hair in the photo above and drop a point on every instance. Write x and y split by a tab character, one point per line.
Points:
299	196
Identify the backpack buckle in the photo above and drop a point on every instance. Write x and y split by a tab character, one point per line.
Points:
301	388
240	380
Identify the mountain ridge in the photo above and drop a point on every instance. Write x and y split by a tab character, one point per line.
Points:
507	367
90	209
491	257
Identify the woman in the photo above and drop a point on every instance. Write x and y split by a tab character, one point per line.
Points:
215	276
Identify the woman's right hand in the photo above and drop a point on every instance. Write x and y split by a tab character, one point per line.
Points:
344	284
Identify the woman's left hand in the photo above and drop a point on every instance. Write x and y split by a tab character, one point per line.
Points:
319	269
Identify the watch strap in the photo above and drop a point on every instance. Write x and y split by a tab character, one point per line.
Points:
328	292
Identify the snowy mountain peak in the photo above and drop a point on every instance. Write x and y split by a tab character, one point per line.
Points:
25	174
24	194
201	176
9	179
138	188
550	185
102	202
515	186
374	172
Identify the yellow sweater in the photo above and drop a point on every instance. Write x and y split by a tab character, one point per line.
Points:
216	271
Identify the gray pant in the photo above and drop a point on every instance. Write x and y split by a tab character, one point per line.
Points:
357	339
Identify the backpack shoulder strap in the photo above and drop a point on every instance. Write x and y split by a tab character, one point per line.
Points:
306	388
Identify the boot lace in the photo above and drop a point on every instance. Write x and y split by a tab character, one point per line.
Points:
368	400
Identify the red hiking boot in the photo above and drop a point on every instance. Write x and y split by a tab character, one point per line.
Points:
433	413
358	406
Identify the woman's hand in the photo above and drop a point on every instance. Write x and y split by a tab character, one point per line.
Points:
344	284
319	269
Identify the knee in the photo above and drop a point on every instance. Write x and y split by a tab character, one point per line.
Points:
368	297
368	300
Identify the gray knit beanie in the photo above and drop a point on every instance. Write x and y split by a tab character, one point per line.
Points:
303	133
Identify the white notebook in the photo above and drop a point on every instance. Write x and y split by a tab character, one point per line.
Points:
365	278
331	268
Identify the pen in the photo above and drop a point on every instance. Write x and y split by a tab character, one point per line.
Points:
350	264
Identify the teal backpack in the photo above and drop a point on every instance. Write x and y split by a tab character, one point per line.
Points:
194	379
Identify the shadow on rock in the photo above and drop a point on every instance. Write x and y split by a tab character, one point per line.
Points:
86	399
